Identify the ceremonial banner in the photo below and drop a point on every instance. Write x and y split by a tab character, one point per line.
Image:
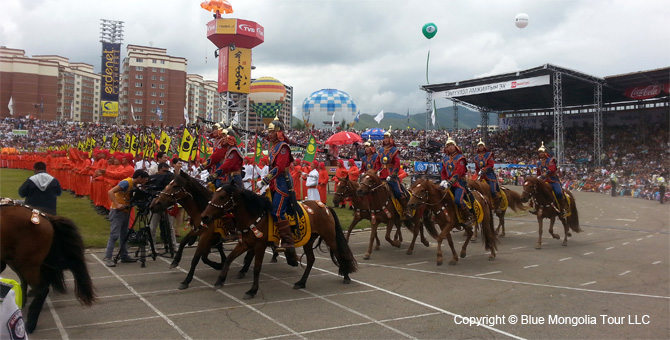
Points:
165	142
186	145
310	152
259	150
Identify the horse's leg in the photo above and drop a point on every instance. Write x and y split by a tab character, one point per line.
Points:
415	234
259	250
247	264
216	238
468	234
445	231
203	248
309	252
398	232
240	248
567	232
476	232
390	223
182	245
373	236
538	245
551	228
275	254
501	223
36	307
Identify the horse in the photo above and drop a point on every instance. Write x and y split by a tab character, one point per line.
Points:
512	198
440	203
382	210
38	248
543	198
252	214
193	197
347	189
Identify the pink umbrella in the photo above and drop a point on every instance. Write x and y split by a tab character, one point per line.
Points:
344	137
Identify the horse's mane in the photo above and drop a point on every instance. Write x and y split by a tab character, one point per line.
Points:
255	204
541	186
201	195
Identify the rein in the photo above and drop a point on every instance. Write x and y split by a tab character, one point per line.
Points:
223	206
172	195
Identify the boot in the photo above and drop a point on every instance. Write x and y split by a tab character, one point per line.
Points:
468	220
496	205
287	245
564	207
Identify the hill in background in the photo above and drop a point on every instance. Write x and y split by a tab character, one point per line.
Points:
444	119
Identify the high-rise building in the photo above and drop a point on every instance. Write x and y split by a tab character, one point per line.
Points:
202	99
153	87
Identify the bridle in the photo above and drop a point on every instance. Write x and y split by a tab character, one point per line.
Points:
347	191
231	201
372	187
173	195
424	197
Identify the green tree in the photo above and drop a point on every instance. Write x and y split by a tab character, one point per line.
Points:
298	124
343	124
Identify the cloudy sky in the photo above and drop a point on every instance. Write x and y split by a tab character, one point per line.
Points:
372	49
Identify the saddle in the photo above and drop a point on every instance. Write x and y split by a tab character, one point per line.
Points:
299	223
472	204
34	218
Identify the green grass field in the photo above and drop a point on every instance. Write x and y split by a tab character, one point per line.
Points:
94	228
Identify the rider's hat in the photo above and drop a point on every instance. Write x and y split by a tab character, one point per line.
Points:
277	126
388	133
542	148
450	140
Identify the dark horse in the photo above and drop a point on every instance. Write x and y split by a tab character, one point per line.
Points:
347	189
513	201
252	213
382	210
39	253
544	201
193	197
441	205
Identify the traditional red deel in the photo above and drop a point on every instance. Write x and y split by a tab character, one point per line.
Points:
223	6
342	138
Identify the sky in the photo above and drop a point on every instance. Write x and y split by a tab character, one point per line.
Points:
372	49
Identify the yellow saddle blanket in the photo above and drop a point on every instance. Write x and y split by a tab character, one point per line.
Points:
478	208
302	230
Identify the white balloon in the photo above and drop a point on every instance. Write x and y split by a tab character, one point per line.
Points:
521	20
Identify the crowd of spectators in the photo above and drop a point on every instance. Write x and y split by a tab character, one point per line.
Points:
637	155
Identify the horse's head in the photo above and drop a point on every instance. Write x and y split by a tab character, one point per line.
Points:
529	188
222	203
369	183
420	192
171	194
345	188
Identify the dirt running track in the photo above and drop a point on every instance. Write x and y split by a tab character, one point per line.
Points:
611	281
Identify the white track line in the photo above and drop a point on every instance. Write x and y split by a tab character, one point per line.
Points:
59	324
588	283
589	253
489	273
608	248
531	266
657	262
146	302
565	259
417	263
624	273
517	248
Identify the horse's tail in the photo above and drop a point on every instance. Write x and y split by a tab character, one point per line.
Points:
342	257
490	239
514	200
67	252
573	219
429	225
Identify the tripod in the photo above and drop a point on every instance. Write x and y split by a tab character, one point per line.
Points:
142	235
166	233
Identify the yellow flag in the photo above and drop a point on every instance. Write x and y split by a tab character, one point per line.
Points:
165	142
115	143
134	141
126	144
187	142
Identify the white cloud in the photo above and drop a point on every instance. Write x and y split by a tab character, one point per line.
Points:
373	50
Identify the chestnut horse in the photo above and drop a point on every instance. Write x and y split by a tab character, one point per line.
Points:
440	203
382	210
513	202
544	201
347	189
39	253
252	214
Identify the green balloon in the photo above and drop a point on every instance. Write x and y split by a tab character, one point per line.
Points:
429	30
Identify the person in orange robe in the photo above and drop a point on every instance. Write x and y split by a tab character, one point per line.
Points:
354	172
323	182
295	175
303	180
340	173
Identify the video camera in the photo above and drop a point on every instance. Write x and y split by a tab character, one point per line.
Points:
141	197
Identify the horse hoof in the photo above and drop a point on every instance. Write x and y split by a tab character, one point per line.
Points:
218	286
462	255
452	263
569	234
491	258
408	252
474	240
502	235
366	257
377	248
426	244
273	260
565	244
241	275
299	285
538	247
173	265
397	244
248	296
556	237
182	286
346	281
439	262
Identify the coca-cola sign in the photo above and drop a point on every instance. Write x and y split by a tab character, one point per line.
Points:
643	92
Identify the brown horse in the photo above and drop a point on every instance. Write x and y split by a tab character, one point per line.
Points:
513	202
193	197
252	214
39	253
544	201
347	189
382	210
440	203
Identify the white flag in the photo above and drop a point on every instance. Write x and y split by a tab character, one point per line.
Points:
379	117
72	110
10	106
185	114
432	116
132	112
332	122
236	119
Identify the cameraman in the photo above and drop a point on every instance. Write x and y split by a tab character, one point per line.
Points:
119	216
157	183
